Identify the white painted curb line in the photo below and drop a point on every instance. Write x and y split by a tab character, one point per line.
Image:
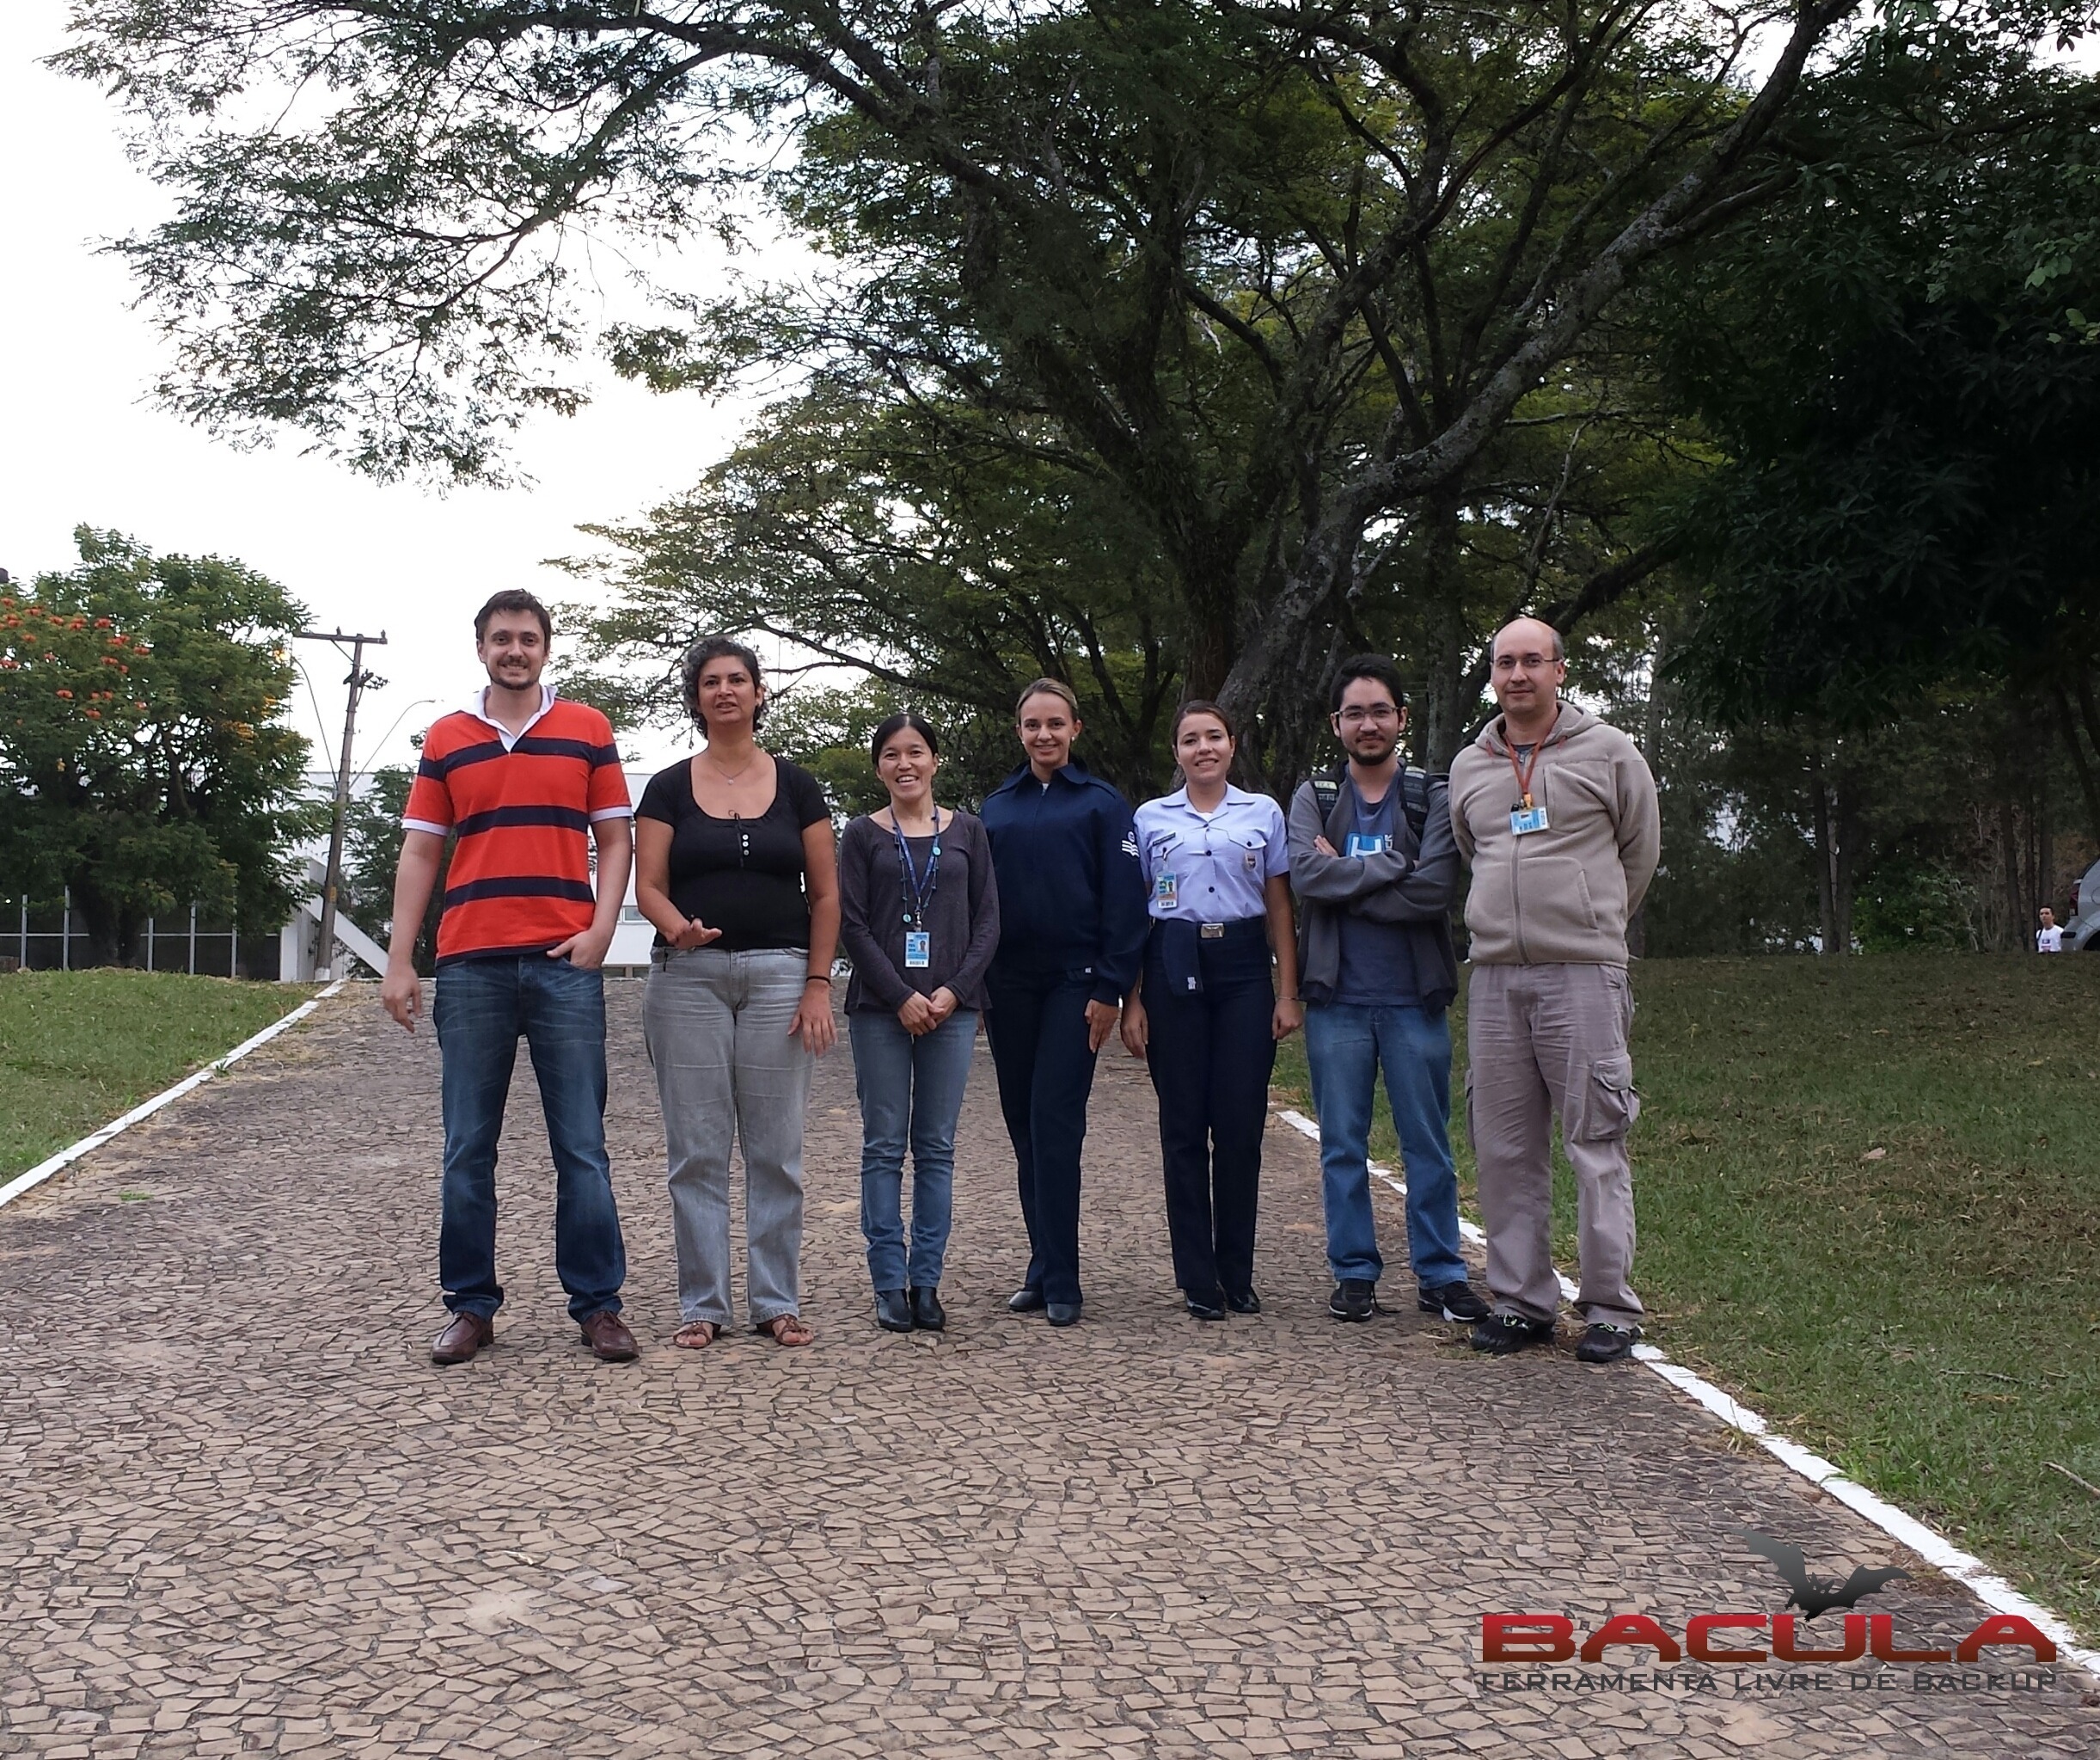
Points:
1935	1549
66	1157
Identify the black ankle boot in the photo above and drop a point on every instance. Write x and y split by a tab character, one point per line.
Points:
927	1313
893	1312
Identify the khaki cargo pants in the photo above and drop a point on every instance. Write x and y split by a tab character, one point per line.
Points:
1547	1040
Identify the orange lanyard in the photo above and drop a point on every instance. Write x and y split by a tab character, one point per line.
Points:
1523	776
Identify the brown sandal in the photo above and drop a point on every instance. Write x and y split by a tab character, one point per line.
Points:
789	1329
697	1334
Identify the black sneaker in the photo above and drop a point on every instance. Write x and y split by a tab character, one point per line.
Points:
1354	1298
1453	1301
1500	1335
1605	1343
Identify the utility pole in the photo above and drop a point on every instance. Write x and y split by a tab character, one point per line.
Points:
359	682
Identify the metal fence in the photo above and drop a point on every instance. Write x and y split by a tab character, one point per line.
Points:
46	939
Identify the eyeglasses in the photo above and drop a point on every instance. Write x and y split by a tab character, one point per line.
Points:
1378	715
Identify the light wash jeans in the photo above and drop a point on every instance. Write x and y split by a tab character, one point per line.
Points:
911	1090
727	1070
1345	1047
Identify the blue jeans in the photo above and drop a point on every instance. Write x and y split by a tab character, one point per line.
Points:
911	1091
1346	1046
482	1008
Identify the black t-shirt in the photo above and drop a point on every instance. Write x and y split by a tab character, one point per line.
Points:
743	876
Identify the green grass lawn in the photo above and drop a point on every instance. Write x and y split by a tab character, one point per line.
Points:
79	1048
1869	1205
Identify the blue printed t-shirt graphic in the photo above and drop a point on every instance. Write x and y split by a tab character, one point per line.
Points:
1071	892
1211	867
1378	958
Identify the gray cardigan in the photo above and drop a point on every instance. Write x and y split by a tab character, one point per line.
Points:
963	917
1409	883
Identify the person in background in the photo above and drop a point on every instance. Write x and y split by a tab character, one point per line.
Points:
1204	1013
1372	856
1557	812
2049	938
919	911
527	781
734	865
1071	932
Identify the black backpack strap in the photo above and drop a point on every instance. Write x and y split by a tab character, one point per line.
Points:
1327	790
1414	800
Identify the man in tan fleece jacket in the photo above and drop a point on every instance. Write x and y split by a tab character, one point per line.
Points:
1557	812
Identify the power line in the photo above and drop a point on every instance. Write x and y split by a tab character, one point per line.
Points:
359	682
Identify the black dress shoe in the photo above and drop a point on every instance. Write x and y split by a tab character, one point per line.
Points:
1062	1313
1024	1300
1204	1311
927	1313
1246	1302
892	1311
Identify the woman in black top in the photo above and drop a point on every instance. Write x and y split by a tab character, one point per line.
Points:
733	864
920	914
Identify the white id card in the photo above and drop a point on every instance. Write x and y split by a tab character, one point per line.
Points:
1362	843
918	949
1526	819
1166	891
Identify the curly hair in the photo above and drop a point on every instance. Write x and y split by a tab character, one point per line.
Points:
715	647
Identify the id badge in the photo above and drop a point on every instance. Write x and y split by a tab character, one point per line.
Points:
918	949
1362	843
1523	820
1166	891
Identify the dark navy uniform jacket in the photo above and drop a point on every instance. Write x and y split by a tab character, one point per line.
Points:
1071	890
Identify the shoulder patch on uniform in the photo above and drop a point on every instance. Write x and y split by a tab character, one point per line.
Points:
1129	843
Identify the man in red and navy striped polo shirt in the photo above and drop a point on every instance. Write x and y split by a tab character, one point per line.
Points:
523	783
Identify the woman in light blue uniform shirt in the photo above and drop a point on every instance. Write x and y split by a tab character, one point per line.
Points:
1205	1016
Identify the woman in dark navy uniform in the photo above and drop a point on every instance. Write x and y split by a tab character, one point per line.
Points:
1071	932
1205	1014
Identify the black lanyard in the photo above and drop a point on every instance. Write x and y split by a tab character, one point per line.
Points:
918	892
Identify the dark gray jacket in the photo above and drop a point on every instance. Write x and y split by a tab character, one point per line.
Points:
1411	883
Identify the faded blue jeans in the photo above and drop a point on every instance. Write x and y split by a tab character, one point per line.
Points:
1347	1046
482	1008
911	1090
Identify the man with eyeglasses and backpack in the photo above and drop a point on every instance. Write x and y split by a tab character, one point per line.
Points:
1375	869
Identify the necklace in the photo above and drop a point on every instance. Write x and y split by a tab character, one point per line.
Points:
731	776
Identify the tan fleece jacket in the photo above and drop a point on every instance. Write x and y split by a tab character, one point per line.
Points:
1562	895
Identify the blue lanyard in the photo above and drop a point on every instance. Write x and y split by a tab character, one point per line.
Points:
918	893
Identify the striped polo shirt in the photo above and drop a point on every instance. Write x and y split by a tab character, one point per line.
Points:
521	806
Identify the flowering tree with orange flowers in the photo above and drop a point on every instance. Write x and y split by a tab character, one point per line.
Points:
145	760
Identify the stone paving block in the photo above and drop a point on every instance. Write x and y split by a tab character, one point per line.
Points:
244	1513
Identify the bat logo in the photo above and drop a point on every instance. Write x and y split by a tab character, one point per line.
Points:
1815	1595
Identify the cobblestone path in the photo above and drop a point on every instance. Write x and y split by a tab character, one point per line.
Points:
241	1512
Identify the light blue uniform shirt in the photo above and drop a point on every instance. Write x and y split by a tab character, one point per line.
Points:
1211	867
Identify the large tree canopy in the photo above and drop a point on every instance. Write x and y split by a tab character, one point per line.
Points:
1278	279
145	760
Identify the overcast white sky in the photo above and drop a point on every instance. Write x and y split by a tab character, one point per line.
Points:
79	443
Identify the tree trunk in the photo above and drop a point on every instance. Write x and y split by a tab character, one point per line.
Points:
1448	707
2088	785
1826	864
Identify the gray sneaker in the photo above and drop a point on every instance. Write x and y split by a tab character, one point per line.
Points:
1605	1343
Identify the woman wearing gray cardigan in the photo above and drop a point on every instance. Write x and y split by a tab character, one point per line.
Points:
920	920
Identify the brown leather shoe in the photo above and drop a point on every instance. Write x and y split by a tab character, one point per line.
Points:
608	1336
458	1343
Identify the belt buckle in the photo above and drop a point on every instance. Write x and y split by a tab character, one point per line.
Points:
1212	932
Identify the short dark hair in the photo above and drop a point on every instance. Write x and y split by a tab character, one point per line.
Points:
715	647
1374	666
895	725
1200	706
513	598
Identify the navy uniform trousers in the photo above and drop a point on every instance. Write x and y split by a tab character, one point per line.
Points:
1210	1053
1037	1023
